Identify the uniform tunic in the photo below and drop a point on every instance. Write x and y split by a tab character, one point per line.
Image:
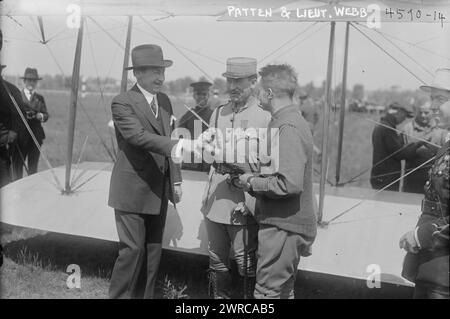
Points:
431	265
414	182
221	197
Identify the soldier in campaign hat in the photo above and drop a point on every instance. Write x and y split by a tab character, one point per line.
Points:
224	203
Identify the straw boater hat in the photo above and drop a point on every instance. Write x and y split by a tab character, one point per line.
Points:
31	74
148	55
240	67
441	81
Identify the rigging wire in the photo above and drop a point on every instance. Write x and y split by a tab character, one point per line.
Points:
377	192
80	157
182	47
412	44
403	51
176	48
54	59
386	52
287	42
102	97
96	131
107	33
299	42
390	155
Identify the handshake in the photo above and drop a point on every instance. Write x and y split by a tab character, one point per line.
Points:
205	144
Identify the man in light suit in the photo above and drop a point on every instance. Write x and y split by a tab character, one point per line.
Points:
144	176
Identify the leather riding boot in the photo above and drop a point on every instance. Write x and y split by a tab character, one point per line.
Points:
246	291
220	282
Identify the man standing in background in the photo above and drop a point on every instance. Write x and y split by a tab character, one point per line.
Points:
36	116
189	121
389	149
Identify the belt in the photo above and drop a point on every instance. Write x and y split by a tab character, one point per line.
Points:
434	208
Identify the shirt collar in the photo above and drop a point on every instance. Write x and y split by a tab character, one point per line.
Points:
28	91
287	109
148	96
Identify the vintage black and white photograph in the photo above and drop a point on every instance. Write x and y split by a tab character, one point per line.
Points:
224	149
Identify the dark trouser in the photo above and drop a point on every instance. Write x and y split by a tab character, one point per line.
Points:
278	256
18	160
222	237
32	155
140	245
429	291
5	169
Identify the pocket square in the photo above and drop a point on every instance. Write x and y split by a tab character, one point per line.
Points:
173	119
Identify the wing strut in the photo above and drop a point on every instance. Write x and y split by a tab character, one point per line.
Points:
326	124
73	105
41	27
126	58
342	109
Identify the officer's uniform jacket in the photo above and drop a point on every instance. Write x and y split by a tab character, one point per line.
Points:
431	264
221	197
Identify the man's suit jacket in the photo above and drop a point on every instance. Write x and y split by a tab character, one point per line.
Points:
36	104
144	165
9	116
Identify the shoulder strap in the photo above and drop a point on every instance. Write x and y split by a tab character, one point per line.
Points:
216	121
443	150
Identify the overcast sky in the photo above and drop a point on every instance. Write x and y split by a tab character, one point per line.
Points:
214	41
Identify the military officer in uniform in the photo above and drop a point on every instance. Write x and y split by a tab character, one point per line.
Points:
223	202
427	260
36	116
195	127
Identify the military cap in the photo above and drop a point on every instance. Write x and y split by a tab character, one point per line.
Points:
240	67
397	106
201	86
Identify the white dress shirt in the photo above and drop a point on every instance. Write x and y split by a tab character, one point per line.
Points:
28	94
181	144
149	97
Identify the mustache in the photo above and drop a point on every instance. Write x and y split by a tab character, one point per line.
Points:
234	91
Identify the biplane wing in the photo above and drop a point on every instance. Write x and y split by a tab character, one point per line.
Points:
370	232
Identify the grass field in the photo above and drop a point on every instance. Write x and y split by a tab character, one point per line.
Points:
35	262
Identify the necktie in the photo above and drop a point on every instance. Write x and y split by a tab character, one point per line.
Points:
154	107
